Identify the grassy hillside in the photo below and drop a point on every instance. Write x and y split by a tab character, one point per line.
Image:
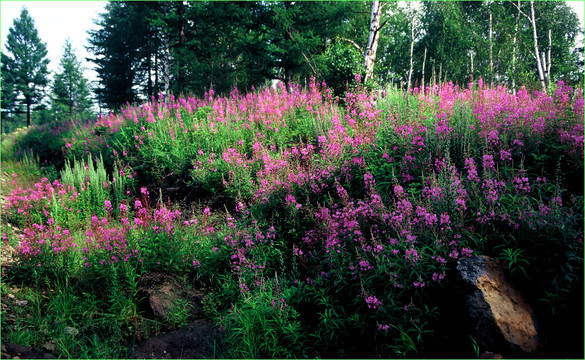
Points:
316	230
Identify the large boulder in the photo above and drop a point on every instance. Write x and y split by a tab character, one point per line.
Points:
16	351
161	292
196	340
504	321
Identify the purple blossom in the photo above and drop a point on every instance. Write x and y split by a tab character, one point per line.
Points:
488	163
373	302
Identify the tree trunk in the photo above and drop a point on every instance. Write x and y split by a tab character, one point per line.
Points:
411	48
545	68
433	74
370	55
166	74
181	77
287	76
491	52
28	112
70	103
156	88
536	51
471	61
423	71
515	50
149	88
548	63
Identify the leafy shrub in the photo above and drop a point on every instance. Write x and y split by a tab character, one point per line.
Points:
339	64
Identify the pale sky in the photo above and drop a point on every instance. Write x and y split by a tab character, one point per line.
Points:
58	20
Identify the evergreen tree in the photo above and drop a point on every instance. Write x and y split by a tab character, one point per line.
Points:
117	54
70	88
9	104
225	47
24	67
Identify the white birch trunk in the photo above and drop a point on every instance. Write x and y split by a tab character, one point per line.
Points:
536	51
411	49
515	49
491	52
423	71
370	55
433	75
548	63
440	75
544	67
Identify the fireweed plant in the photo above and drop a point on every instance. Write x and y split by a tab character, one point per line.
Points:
318	230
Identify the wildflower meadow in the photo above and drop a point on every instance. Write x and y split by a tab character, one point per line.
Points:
316	227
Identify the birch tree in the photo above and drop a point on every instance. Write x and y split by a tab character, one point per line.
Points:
532	20
373	39
515	48
491	41
413	34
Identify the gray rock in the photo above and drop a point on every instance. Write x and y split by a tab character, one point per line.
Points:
504	320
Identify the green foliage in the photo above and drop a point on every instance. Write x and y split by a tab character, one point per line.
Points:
146	48
393	60
91	182
239	45
263	325
339	64
26	169
515	259
68	323
178	314
41	141
232	48
455	31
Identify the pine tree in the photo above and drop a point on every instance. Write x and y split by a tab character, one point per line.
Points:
70	88
24	67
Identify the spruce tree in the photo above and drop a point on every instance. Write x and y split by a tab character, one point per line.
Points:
9	104
24	66
121	51
70	88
